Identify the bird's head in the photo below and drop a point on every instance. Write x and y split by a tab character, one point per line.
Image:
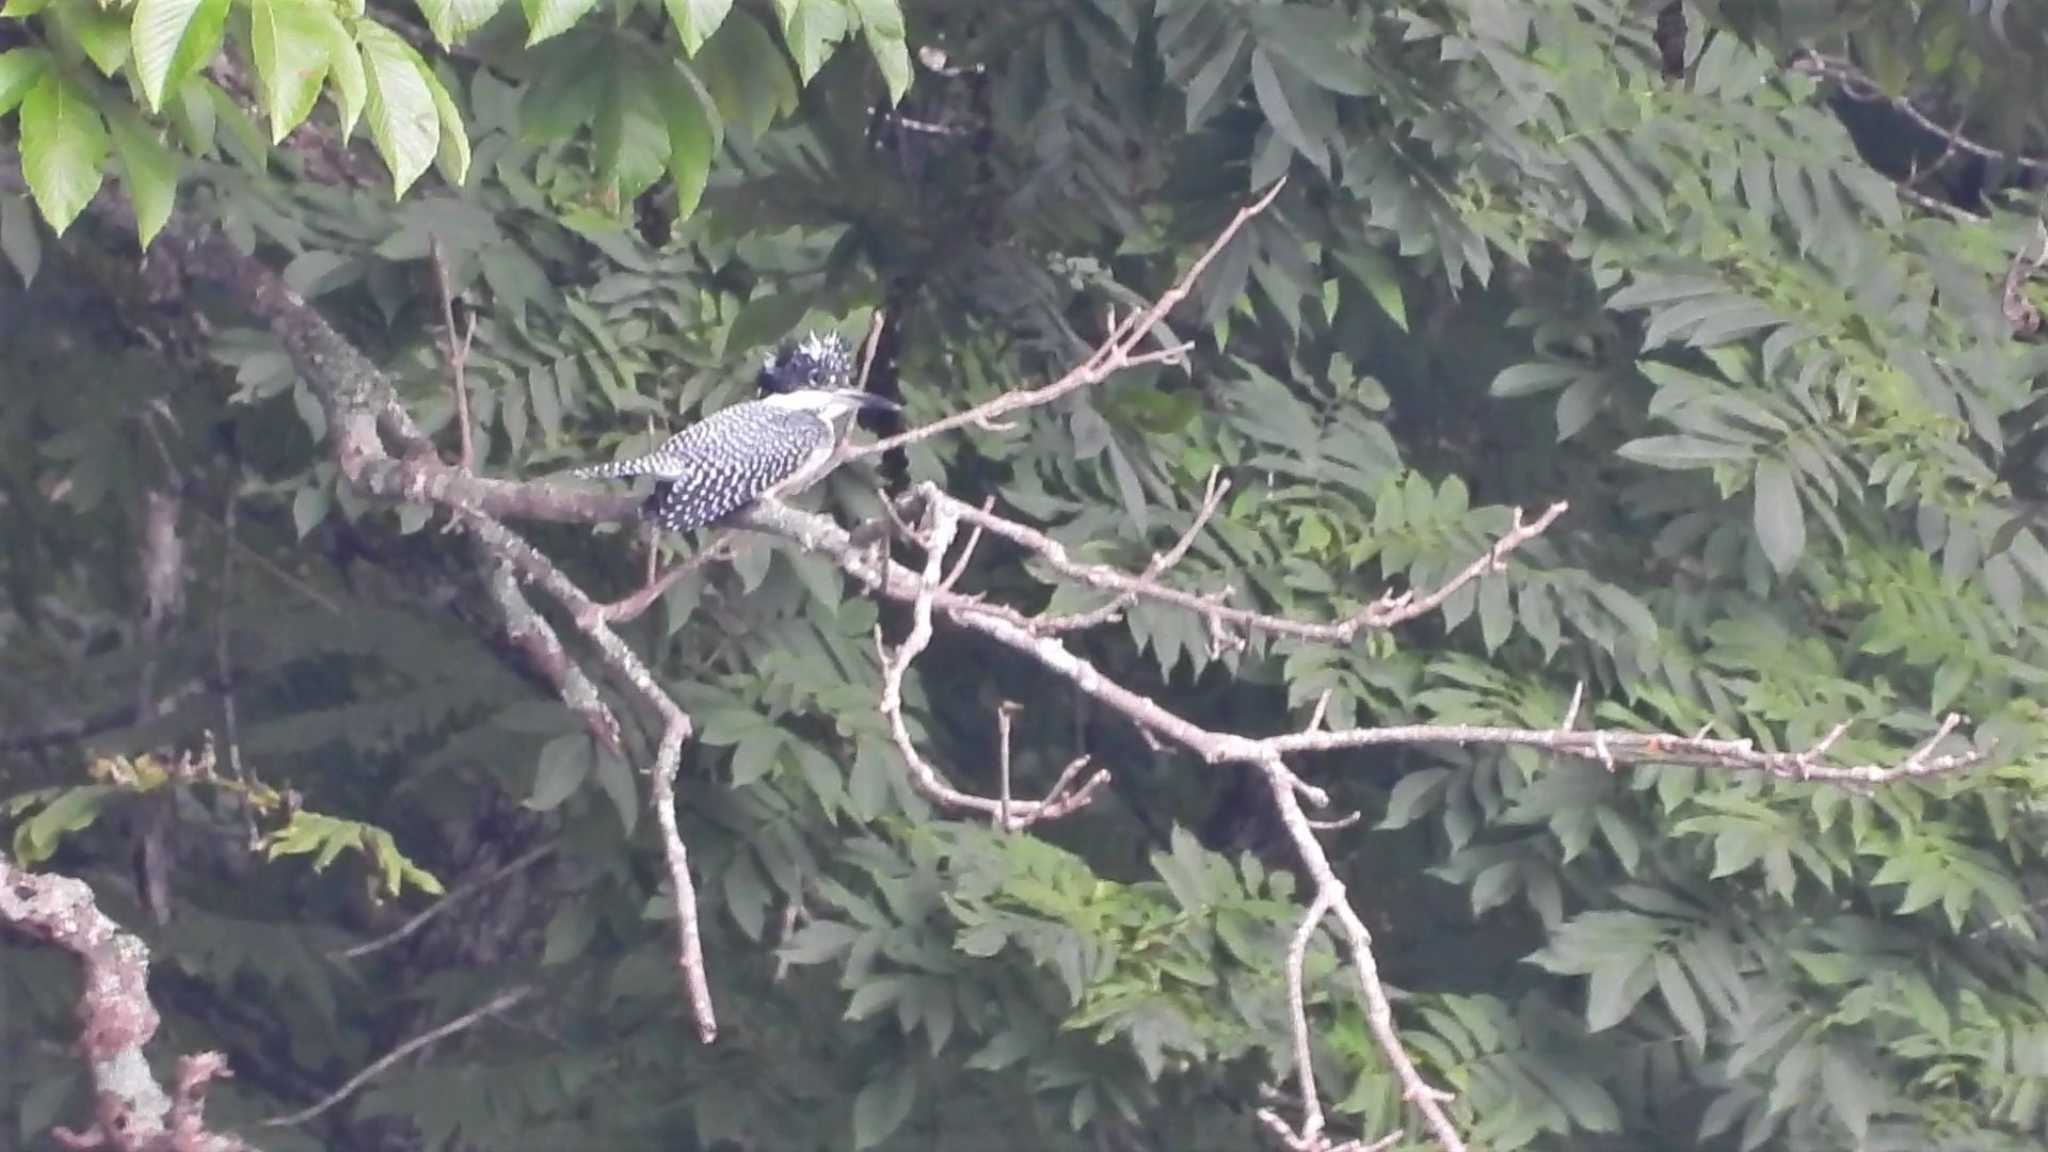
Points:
830	403
819	361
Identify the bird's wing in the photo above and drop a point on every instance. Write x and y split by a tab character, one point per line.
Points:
727	463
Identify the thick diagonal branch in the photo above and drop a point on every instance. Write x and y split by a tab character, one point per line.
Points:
361	409
132	1111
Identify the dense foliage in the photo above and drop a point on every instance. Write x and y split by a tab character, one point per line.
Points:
1699	268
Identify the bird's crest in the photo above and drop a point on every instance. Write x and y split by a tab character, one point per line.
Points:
818	360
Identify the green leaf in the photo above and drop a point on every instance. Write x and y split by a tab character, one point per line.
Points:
746	895
565	762
19	238
1313	40
1410	794
1853	1093
632	135
20	68
1376	271
692	139
1679	997
549	18
1681	452
755	757
63	148
102	32
867	785
881	25
568	933
1301	115
451	155
1496	614
453	20
882	1106
748	75
244	137
291	46
811	28
309	507
403	121
817	942
171	40
696	20
149	170
1614	989
73	810
1534	377
1780	522
615	776
345	64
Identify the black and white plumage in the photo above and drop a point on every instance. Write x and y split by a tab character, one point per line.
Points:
772	446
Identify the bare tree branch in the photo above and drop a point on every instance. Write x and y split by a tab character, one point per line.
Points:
1380	614
363	411
362	408
1212	499
530	632
132	1112
1008	814
457	351
927	596
1117	351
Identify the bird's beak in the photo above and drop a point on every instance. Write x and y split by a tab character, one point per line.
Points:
870	400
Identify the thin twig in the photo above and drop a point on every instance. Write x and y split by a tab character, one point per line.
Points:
1009	814
1116	352
427	914
630	607
458	350
491	1007
868	350
1382	613
1571	714
1004	713
223	666
1379	1011
1861	88
1212	499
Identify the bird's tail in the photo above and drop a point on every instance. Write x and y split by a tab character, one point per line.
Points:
636	466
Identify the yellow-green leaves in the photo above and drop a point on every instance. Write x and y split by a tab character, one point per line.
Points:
696	20
1780	521
811	28
171	39
149	169
351	85
20	68
881	24
404	108
102	33
292	44
546	18
453	20
693	133
632	133
63	147
452	154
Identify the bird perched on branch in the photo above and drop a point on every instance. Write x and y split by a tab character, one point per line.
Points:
773	446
